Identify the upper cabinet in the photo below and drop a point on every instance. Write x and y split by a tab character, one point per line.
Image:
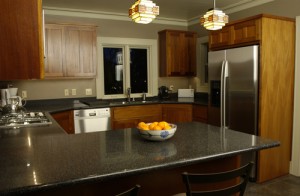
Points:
21	40
177	53
70	51
236	34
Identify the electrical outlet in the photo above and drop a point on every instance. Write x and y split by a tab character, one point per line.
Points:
24	94
171	87
73	91
88	91
66	92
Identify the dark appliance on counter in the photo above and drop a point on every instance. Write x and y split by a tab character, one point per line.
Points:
163	92
233	96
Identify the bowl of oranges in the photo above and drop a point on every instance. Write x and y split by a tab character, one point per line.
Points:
156	131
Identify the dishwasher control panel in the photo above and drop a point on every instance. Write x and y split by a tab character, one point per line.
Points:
97	112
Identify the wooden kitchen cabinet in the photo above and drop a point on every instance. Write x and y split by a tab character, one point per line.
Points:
130	116
200	113
65	120
177	53
238	33
276	39
70	51
175	113
21	40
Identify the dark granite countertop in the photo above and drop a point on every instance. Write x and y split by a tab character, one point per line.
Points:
33	159
58	105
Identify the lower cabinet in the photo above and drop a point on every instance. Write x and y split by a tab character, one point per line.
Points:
130	116
65	120
175	113
200	113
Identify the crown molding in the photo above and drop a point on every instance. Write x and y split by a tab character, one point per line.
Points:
54	11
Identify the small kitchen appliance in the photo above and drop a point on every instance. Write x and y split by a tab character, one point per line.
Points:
163	92
6	94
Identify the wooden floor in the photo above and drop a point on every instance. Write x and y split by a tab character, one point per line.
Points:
287	185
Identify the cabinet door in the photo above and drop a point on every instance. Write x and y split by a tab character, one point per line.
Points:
189	52
174	113
200	113
177	53
21	40
80	51
174	55
246	32
220	38
54	49
65	120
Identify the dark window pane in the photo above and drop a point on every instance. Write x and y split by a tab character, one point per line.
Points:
113	70
138	70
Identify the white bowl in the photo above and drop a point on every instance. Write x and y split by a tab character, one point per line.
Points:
158	135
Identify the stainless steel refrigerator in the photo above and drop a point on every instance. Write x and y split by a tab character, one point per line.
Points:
233	95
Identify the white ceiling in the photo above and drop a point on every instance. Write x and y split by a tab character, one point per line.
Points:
186	10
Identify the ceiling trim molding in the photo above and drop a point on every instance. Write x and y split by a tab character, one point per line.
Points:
54	11
78	13
241	5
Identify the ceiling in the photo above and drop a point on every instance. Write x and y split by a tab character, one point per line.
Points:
169	9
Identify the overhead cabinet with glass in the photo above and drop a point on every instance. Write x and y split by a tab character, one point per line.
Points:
70	51
177	53
21	40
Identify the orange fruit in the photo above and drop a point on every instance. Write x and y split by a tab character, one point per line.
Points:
162	124
152	125
167	127
157	128
141	124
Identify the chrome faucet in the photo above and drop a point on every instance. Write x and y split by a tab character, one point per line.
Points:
128	94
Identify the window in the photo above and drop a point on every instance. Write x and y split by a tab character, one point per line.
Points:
126	63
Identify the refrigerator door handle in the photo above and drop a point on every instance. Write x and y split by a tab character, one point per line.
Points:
222	93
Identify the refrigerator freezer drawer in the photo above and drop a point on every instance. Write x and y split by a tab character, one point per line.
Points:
185	92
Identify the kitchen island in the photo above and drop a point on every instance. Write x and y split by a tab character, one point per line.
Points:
46	164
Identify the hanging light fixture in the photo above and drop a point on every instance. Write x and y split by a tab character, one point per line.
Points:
214	19
143	11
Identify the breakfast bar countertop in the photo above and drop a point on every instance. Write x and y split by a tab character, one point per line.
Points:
32	161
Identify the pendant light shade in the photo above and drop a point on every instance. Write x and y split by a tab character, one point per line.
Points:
214	19
143	11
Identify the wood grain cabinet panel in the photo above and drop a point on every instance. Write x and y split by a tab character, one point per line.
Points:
220	38
200	113
130	116
21	40
70	51
175	113
177	53
276	38
65	120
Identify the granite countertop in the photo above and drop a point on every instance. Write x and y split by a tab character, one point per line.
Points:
34	159
58	105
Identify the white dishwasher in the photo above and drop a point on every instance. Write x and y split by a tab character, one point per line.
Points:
92	120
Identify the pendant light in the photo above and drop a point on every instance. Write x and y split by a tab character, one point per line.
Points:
214	19
143	11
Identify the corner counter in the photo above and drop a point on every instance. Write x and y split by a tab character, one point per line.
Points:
37	163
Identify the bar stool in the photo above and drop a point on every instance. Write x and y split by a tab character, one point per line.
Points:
131	192
241	174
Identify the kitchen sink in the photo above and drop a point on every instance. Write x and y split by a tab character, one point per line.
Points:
132	102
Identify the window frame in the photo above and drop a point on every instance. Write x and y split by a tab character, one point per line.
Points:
128	43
